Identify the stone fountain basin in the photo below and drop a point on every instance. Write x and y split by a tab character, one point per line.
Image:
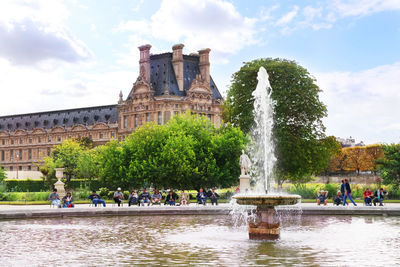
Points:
267	200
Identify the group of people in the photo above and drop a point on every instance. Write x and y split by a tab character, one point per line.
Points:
156	198
66	202
345	193
378	196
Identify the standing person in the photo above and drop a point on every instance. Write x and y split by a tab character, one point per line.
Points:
237	191
201	197
367	197
379	196
118	196
214	197
95	198
145	197
55	198
347	193
68	201
184	198
343	190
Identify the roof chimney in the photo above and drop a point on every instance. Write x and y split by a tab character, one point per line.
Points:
144	62
177	63
204	65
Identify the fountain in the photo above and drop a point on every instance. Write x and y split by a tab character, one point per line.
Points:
266	225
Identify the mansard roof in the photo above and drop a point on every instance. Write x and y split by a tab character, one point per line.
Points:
62	118
162	75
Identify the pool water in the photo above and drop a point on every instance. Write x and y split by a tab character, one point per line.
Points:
198	240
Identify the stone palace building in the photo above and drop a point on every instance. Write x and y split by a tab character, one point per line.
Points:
168	84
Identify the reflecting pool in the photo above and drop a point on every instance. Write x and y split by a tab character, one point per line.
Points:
198	240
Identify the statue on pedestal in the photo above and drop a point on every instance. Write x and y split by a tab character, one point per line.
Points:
245	164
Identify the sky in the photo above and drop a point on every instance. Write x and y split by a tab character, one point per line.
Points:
77	53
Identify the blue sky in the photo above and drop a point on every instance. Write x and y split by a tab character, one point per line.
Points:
66	54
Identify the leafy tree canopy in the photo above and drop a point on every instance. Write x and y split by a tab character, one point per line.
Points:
298	128
187	152
66	155
389	166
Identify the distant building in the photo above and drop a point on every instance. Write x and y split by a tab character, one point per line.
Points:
349	142
168	84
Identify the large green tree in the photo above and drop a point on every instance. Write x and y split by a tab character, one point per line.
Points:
389	165
66	155
298	128
187	152
111	169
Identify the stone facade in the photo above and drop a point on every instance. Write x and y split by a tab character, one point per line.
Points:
168	84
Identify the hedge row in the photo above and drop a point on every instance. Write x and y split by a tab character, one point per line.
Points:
14	185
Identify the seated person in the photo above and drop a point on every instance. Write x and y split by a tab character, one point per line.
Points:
144	197
367	197
379	196
337	200
68	201
184	198
201	197
118	196
171	197
55	198
156	198
322	197
133	198
213	197
95	198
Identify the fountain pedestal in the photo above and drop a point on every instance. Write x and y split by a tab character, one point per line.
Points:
266	226
267	222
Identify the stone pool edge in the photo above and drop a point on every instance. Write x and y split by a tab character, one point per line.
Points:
195	210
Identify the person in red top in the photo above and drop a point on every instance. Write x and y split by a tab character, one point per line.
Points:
367	197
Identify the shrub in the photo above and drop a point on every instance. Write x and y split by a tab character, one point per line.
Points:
304	191
15	185
104	192
332	189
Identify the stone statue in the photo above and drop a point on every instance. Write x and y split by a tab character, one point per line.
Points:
245	164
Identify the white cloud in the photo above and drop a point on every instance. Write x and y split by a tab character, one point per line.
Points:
347	8
33	32
288	17
63	88
137	26
198	24
323	15
363	104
